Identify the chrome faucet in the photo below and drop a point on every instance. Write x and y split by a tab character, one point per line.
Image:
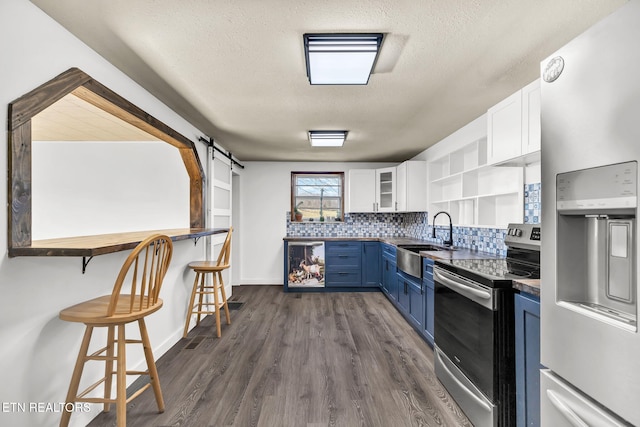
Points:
446	242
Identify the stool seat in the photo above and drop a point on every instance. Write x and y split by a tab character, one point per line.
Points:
203	305
207	266
94	311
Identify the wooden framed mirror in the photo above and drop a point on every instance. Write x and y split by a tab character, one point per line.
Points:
84	87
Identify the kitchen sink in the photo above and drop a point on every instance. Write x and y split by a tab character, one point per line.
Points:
409	259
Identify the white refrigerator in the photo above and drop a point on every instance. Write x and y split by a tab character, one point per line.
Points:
590	119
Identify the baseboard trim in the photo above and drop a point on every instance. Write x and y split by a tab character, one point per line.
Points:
261	282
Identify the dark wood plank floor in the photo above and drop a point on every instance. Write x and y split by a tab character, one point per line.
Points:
291	359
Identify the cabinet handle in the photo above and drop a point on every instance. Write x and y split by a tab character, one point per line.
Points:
374	206
342	273
396	206
421	289
343	256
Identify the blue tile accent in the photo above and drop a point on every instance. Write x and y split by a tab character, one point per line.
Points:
411	225
532	206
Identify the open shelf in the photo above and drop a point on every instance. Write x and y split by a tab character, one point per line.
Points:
473	193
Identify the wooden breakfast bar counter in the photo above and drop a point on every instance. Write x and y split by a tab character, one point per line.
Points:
88	246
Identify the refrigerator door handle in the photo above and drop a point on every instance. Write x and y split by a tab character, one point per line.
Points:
565	410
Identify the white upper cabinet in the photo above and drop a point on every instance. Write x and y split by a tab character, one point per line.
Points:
531	118
393	189
361	190
513	125
386	190
411	193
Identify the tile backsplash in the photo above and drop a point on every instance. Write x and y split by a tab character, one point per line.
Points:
415	225
532	207
411	225
354	225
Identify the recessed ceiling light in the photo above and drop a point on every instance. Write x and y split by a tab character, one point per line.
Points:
341	59
327	138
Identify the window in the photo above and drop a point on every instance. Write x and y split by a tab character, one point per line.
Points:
317	196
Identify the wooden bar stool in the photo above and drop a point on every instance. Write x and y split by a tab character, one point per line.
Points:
200	288
144	269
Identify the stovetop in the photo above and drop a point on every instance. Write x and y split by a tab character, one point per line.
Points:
522	261
499	269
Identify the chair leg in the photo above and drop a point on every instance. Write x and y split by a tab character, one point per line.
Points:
217	303
121	380
77	374
203	278
108	369
224	299
151	365
192	301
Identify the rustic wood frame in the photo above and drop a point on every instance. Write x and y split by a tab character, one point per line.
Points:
75	81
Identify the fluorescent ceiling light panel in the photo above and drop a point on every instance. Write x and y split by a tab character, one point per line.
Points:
341	59
327	138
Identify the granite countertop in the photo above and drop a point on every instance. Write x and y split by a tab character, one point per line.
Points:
314	238
530	286
457	254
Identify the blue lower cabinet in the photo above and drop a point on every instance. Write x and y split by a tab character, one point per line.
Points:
371	271
343	278
343	264
389	271
429	292
403	291
411	298
416	302
527	318
428	313
390	278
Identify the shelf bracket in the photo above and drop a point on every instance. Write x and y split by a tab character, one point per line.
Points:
195	240
85	262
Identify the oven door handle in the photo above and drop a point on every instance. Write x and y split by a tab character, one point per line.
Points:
476	294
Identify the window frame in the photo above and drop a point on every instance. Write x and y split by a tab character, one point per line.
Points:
338	174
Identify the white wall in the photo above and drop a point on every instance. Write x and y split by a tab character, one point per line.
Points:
83	188
38	350
264	200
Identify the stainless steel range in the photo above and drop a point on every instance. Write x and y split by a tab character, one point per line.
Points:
474	327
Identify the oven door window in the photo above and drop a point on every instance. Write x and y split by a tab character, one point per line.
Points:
464	332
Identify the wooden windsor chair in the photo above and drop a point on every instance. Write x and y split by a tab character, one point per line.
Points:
200	288
144	269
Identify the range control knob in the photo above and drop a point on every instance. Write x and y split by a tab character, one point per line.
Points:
518	232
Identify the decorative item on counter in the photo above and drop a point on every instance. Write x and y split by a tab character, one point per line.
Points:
321	197
297	213
338	215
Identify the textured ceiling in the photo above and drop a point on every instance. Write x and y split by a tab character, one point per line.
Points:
236	70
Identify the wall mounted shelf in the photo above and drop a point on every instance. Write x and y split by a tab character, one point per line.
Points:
89	246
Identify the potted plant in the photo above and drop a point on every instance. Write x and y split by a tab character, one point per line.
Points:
296	212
